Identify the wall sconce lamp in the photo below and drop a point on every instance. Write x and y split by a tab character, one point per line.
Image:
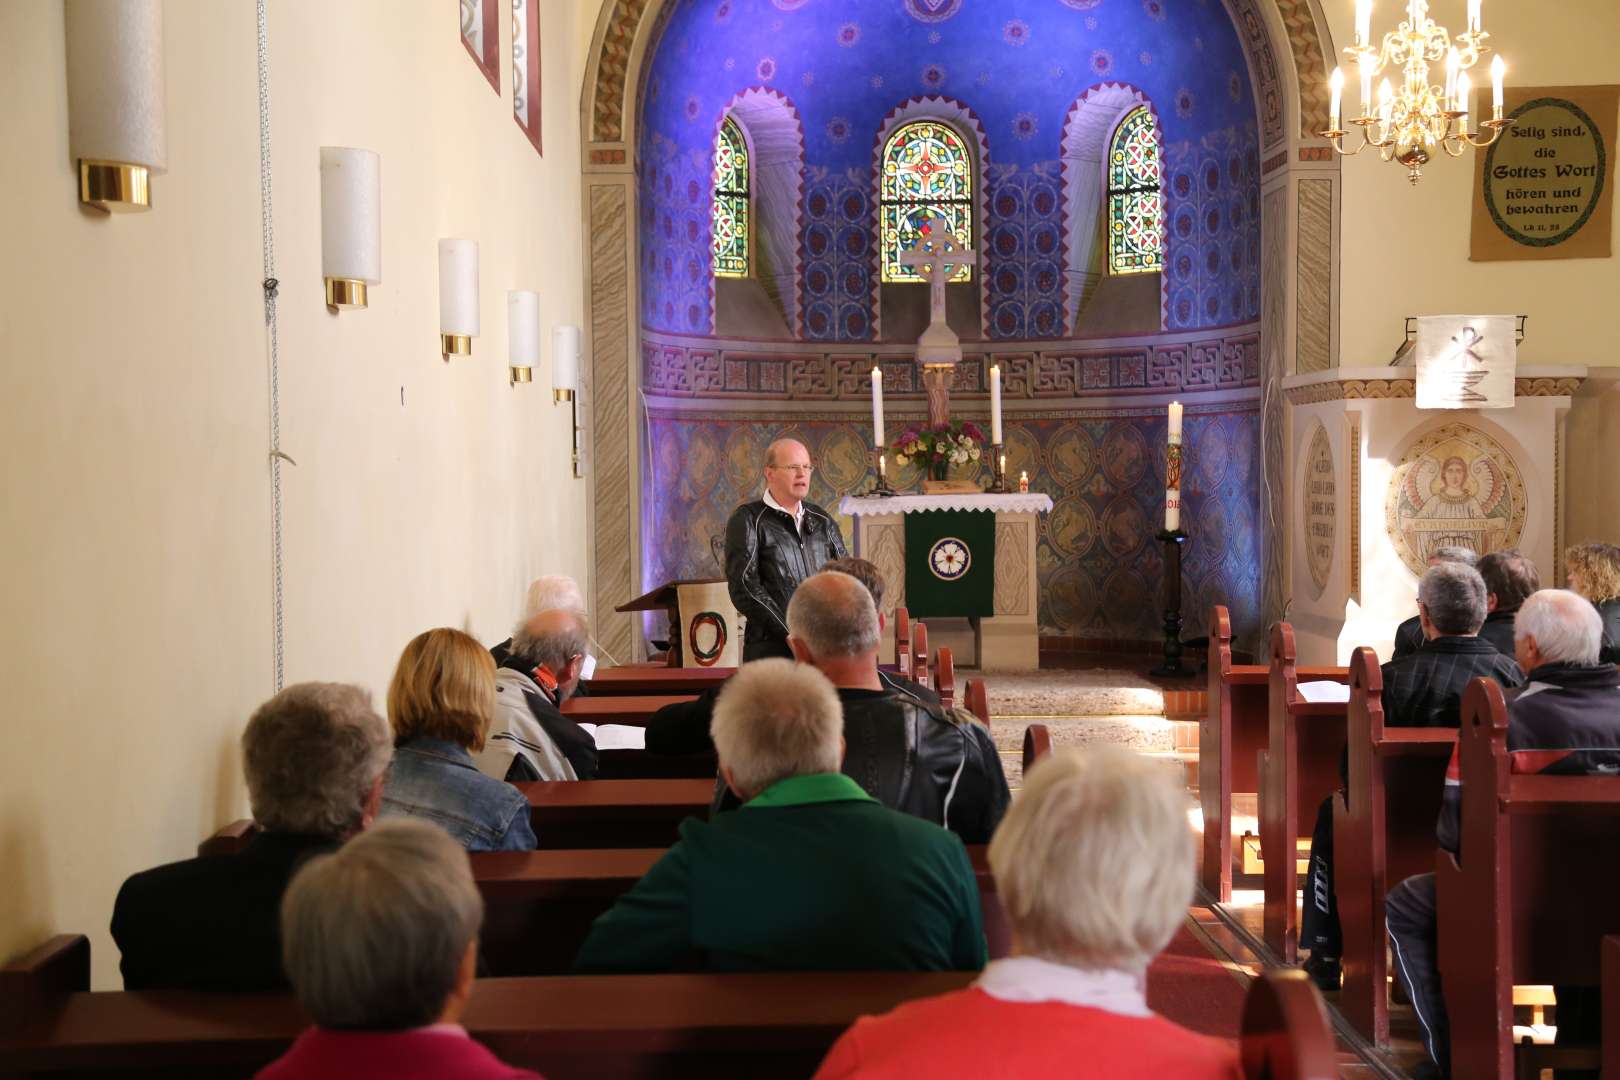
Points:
523	334
351	224
564	363
115	100
458	296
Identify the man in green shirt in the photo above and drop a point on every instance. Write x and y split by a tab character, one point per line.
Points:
810	874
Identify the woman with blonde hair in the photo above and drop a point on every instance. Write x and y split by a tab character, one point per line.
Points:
1094	866
1594	572
440	705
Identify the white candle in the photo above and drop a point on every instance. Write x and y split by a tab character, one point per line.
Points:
1337	85
883	466
1172	510
1003	464
1473	16
1023	481
1453	65
1386	109
1498	69
1465	89
1366	87
1172	495
877	406
1175	423
1363	21
995	404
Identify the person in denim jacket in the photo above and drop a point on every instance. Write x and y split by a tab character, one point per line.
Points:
440	704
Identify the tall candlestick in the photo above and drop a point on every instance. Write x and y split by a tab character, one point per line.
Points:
1172	478
1337	85
877	407
1498	69
995	403
1363	21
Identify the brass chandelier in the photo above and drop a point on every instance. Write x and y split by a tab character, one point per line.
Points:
1406	124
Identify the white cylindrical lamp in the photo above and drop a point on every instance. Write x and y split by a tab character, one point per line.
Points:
523	333
565	352
458	296
116	129
351	224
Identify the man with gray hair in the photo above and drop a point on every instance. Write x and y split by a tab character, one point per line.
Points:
1566	721
380	941
546	592
1409	635
1421	689
810	874
530	738
314	757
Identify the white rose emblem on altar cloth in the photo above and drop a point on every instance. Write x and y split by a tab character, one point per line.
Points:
949	558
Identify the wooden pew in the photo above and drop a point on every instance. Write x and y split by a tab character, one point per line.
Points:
1037	745
1610	973
902	641
626	764
945	676
919	655
1383	832
1235	728
1298	769
976	700
631	679
655	1027
1285	1030
1535	891
631	710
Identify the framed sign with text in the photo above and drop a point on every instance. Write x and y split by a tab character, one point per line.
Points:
1545	189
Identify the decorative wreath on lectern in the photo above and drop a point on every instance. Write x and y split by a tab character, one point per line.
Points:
707	657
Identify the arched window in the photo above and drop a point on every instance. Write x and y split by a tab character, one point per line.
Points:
926	170
1135	197
730	202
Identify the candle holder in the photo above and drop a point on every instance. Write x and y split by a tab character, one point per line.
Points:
880	486
998	469
1172	667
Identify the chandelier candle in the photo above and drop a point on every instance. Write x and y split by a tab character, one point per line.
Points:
1172	478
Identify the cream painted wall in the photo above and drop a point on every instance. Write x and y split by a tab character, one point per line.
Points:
133	417
1405	249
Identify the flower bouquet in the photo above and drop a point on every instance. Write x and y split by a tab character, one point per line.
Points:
938	448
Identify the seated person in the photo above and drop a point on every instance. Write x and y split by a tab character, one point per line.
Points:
381	940
1594	572
1094	867
683	728
1421	689
440	704
1510	578
546	593
531	739
1571	704
810	874
314	758
1409	635
907	753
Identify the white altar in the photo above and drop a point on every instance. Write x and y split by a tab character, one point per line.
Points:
1007	641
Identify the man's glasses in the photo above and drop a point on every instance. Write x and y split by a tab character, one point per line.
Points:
796	470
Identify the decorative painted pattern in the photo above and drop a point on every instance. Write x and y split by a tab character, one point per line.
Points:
1310	69
1313	336
678	367
1319	506
1455	487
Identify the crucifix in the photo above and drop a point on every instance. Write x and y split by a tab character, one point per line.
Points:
936	255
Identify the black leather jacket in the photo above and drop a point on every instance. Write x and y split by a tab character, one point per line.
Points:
913	756
766	558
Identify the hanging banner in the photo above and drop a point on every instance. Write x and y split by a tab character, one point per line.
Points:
1545	189
1466	361
951	563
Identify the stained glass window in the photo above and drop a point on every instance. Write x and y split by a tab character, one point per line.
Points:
1135	197
926	171
730	202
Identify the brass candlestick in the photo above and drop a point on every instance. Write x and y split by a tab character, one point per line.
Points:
998	468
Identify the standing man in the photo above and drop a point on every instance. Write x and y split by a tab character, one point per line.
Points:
772	544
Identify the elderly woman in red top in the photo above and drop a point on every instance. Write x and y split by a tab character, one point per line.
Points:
1094	864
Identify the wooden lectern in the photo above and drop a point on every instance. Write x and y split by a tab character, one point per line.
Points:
704	627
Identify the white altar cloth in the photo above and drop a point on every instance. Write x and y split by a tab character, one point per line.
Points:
1014	502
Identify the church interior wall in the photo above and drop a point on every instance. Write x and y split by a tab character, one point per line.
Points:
1405	248
1592	440
134	414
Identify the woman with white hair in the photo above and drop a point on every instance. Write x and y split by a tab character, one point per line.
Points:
1094	866
380	941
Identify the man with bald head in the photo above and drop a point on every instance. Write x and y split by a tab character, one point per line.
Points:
530	739
772	544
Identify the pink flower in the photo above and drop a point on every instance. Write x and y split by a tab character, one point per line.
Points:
972	429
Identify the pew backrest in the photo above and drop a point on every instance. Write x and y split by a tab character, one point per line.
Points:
902	640
945	676
1285	1029
919	655
976	699
1037	745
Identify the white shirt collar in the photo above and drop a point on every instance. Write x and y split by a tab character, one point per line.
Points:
1031	979
797	515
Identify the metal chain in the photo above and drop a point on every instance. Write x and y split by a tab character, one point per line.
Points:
271	286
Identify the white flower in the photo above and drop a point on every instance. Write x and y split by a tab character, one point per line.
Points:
901	459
